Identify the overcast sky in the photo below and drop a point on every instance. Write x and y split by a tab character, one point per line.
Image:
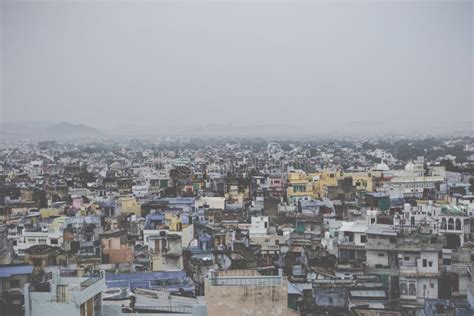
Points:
237	62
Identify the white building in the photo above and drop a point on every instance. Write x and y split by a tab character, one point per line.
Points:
259	226
210	202
28	239
402	187
419	270
66	293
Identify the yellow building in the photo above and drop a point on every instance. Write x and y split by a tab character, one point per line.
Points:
129	205
50	212
174	222
302	185
363	181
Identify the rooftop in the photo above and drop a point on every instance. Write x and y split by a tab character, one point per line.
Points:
7	271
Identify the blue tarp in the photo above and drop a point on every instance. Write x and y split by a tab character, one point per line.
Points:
9	270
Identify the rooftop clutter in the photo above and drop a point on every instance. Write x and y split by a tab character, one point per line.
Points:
215	228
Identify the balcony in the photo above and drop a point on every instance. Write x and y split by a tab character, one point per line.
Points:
392	270
408	269
94	277
412	271
350	245
380	245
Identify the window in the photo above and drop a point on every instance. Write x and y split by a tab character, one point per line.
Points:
404	289
443	223
14	284
363	239
164	244
425	263
458	224
406	258
451	224
432	285
412	289
430	263
54	241
61	293
381	255
266	224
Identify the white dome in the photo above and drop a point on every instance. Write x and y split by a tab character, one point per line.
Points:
410	166
382	167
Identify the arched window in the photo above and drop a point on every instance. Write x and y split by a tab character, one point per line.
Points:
443	223
451	224
412	289
403	289
458	224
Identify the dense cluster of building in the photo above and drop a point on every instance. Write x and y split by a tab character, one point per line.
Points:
235	227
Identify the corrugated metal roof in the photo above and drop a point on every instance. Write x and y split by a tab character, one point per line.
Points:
381	229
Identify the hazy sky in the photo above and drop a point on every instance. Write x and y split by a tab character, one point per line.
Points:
241	62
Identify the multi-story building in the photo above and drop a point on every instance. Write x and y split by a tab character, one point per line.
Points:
418	261
166	252
66	292
28	239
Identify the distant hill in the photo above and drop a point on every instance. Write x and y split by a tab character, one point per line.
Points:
43	130
65	129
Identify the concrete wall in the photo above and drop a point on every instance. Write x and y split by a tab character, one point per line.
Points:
431	258
259	225
357	238
212	202
374	259
426	288
163	263
187	236
247	300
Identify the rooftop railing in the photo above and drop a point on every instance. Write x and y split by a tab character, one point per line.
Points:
94	277
178	309
68	273
246	281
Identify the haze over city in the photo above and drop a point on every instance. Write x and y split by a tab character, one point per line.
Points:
318	67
